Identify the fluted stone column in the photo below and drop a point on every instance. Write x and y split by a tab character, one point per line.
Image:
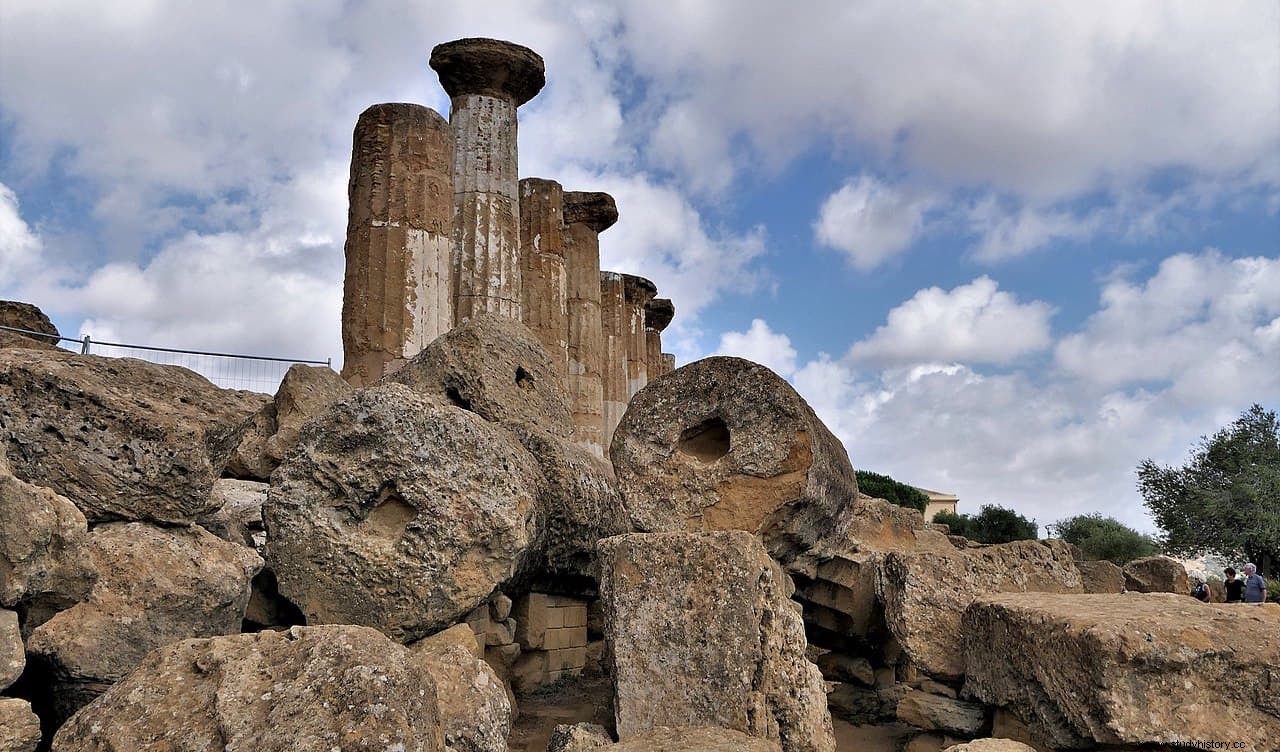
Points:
396	293
486	80
668	363
543	280
657	316
586	215
613	319
637	292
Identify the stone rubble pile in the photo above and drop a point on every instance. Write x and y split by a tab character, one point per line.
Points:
510	495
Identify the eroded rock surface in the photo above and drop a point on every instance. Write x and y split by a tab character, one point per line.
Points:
1125	669
579	737
304	392
1156	574
26	316
121	438
13	656
475	714
155	586
238	518
727	444
702	633
925	593
399	512
19	727
693	740
308	689
1101	576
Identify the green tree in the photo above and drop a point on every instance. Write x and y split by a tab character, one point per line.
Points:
1226	498
884	487
1101	537
992	524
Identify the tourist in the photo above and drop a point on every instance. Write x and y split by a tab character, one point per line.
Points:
1255	588
1235	587
1199	590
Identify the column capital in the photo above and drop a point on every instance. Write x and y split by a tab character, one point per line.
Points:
638	290
658	313
596	210
490	67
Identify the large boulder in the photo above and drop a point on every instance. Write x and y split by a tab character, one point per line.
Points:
155	586
1156	574
304	392
475	713
990	745
19	727
308	689
727	444
702	632
238	518
13	656
30	318
1101	576
700	739
925	593
121	438
45	564
578	737
399	512
496	368
1128	669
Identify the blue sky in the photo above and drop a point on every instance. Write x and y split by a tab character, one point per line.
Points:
1005	249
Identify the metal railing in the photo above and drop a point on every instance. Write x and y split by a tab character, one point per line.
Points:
256	373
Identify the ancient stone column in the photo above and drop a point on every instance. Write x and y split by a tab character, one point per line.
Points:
586	215
637	292
668	363
543	283
657	315
613	320
396	294
487	80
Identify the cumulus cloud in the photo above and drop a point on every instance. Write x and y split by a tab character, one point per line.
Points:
19	246
1203	324
973	323
871	221
761	345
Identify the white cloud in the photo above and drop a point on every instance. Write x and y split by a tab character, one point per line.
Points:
762	345
973	323
19	246
1202	323
1004	234
871	221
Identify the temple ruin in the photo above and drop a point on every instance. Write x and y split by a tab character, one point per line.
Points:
442	228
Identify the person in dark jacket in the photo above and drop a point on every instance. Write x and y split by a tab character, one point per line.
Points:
1199	590
1234	586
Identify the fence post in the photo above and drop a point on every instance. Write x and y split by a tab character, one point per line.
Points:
84	345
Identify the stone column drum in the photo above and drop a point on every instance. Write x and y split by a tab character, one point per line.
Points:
637	292
543	280
586	215
396	294
486	80
657	316
613	319
668	363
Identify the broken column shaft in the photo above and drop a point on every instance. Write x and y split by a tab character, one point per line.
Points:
657	316
486	80
668	363
613	318
396	293
586	215
542	268
637	292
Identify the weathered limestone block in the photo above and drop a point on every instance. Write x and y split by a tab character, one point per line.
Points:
933	712
700	739
495	368
249	460
657	317
1156	574
400	512
1125	669
846	668
486	80
550	622
702	632
396	293
474	712
13	656
990	745
308	689
19	727
1101	577
155	586
26	316
865	706
304	393
925	593
45	563
238	518
586	215
121	438
637	293
727	444
579	737
543	279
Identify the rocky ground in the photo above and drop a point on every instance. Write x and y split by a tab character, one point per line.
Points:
431	563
